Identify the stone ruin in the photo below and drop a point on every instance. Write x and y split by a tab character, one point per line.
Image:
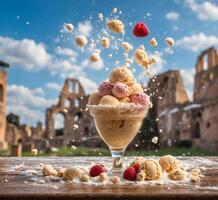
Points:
179	121
78	126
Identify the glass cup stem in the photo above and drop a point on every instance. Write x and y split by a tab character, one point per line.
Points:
117	158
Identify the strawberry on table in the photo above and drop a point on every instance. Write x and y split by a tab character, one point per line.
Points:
96	170
137	163
130	174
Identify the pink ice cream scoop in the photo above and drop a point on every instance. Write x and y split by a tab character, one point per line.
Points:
105	88
120	90
141	98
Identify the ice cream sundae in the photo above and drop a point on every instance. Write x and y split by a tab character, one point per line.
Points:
119	107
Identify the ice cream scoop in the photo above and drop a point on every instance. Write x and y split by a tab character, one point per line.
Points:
109	100
152	169
169	163
123	75
136	87
140	98
116	26
94	98
105	88
120	90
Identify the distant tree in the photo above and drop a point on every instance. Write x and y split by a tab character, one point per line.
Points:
13	119
4	64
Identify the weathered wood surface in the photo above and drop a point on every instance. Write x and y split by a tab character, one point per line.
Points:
15	183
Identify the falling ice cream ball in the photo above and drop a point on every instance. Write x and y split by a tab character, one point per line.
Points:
100	16
116	26
95	57
141	57
140	30
81	41
114	10
34	152
127	47
120	90
170	41
140	98
153	42
68	27
105	42
154	140
105	88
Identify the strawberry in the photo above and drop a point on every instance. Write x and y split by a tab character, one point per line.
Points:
140	30
130	174
96	170
137	163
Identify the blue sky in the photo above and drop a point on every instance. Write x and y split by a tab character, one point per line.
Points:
33	43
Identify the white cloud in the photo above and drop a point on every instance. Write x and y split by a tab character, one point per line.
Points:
24	53
88	84
205	10
53	86
172	16
38	91
66	69
188	80
25	102
93	65
69	53
197	42
85	28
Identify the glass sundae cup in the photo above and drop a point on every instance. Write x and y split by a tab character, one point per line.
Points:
118	125
118	108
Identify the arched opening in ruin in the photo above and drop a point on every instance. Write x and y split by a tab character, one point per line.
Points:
59	124
196	131
1	93
205	62
86	130
71	87
67	103
77	88
77	103
78	116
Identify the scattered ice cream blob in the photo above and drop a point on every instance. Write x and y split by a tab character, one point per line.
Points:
105	42
100	16
177	174
169	163
114	10
68	27
95	57
81	41
154	140
153	42
116	26
110	55
75	126
34	152
170	41
127	47
141	57
152	169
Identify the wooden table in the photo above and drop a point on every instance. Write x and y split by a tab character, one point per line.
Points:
17	183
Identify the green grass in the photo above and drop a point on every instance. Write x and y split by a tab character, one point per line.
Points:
83	151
